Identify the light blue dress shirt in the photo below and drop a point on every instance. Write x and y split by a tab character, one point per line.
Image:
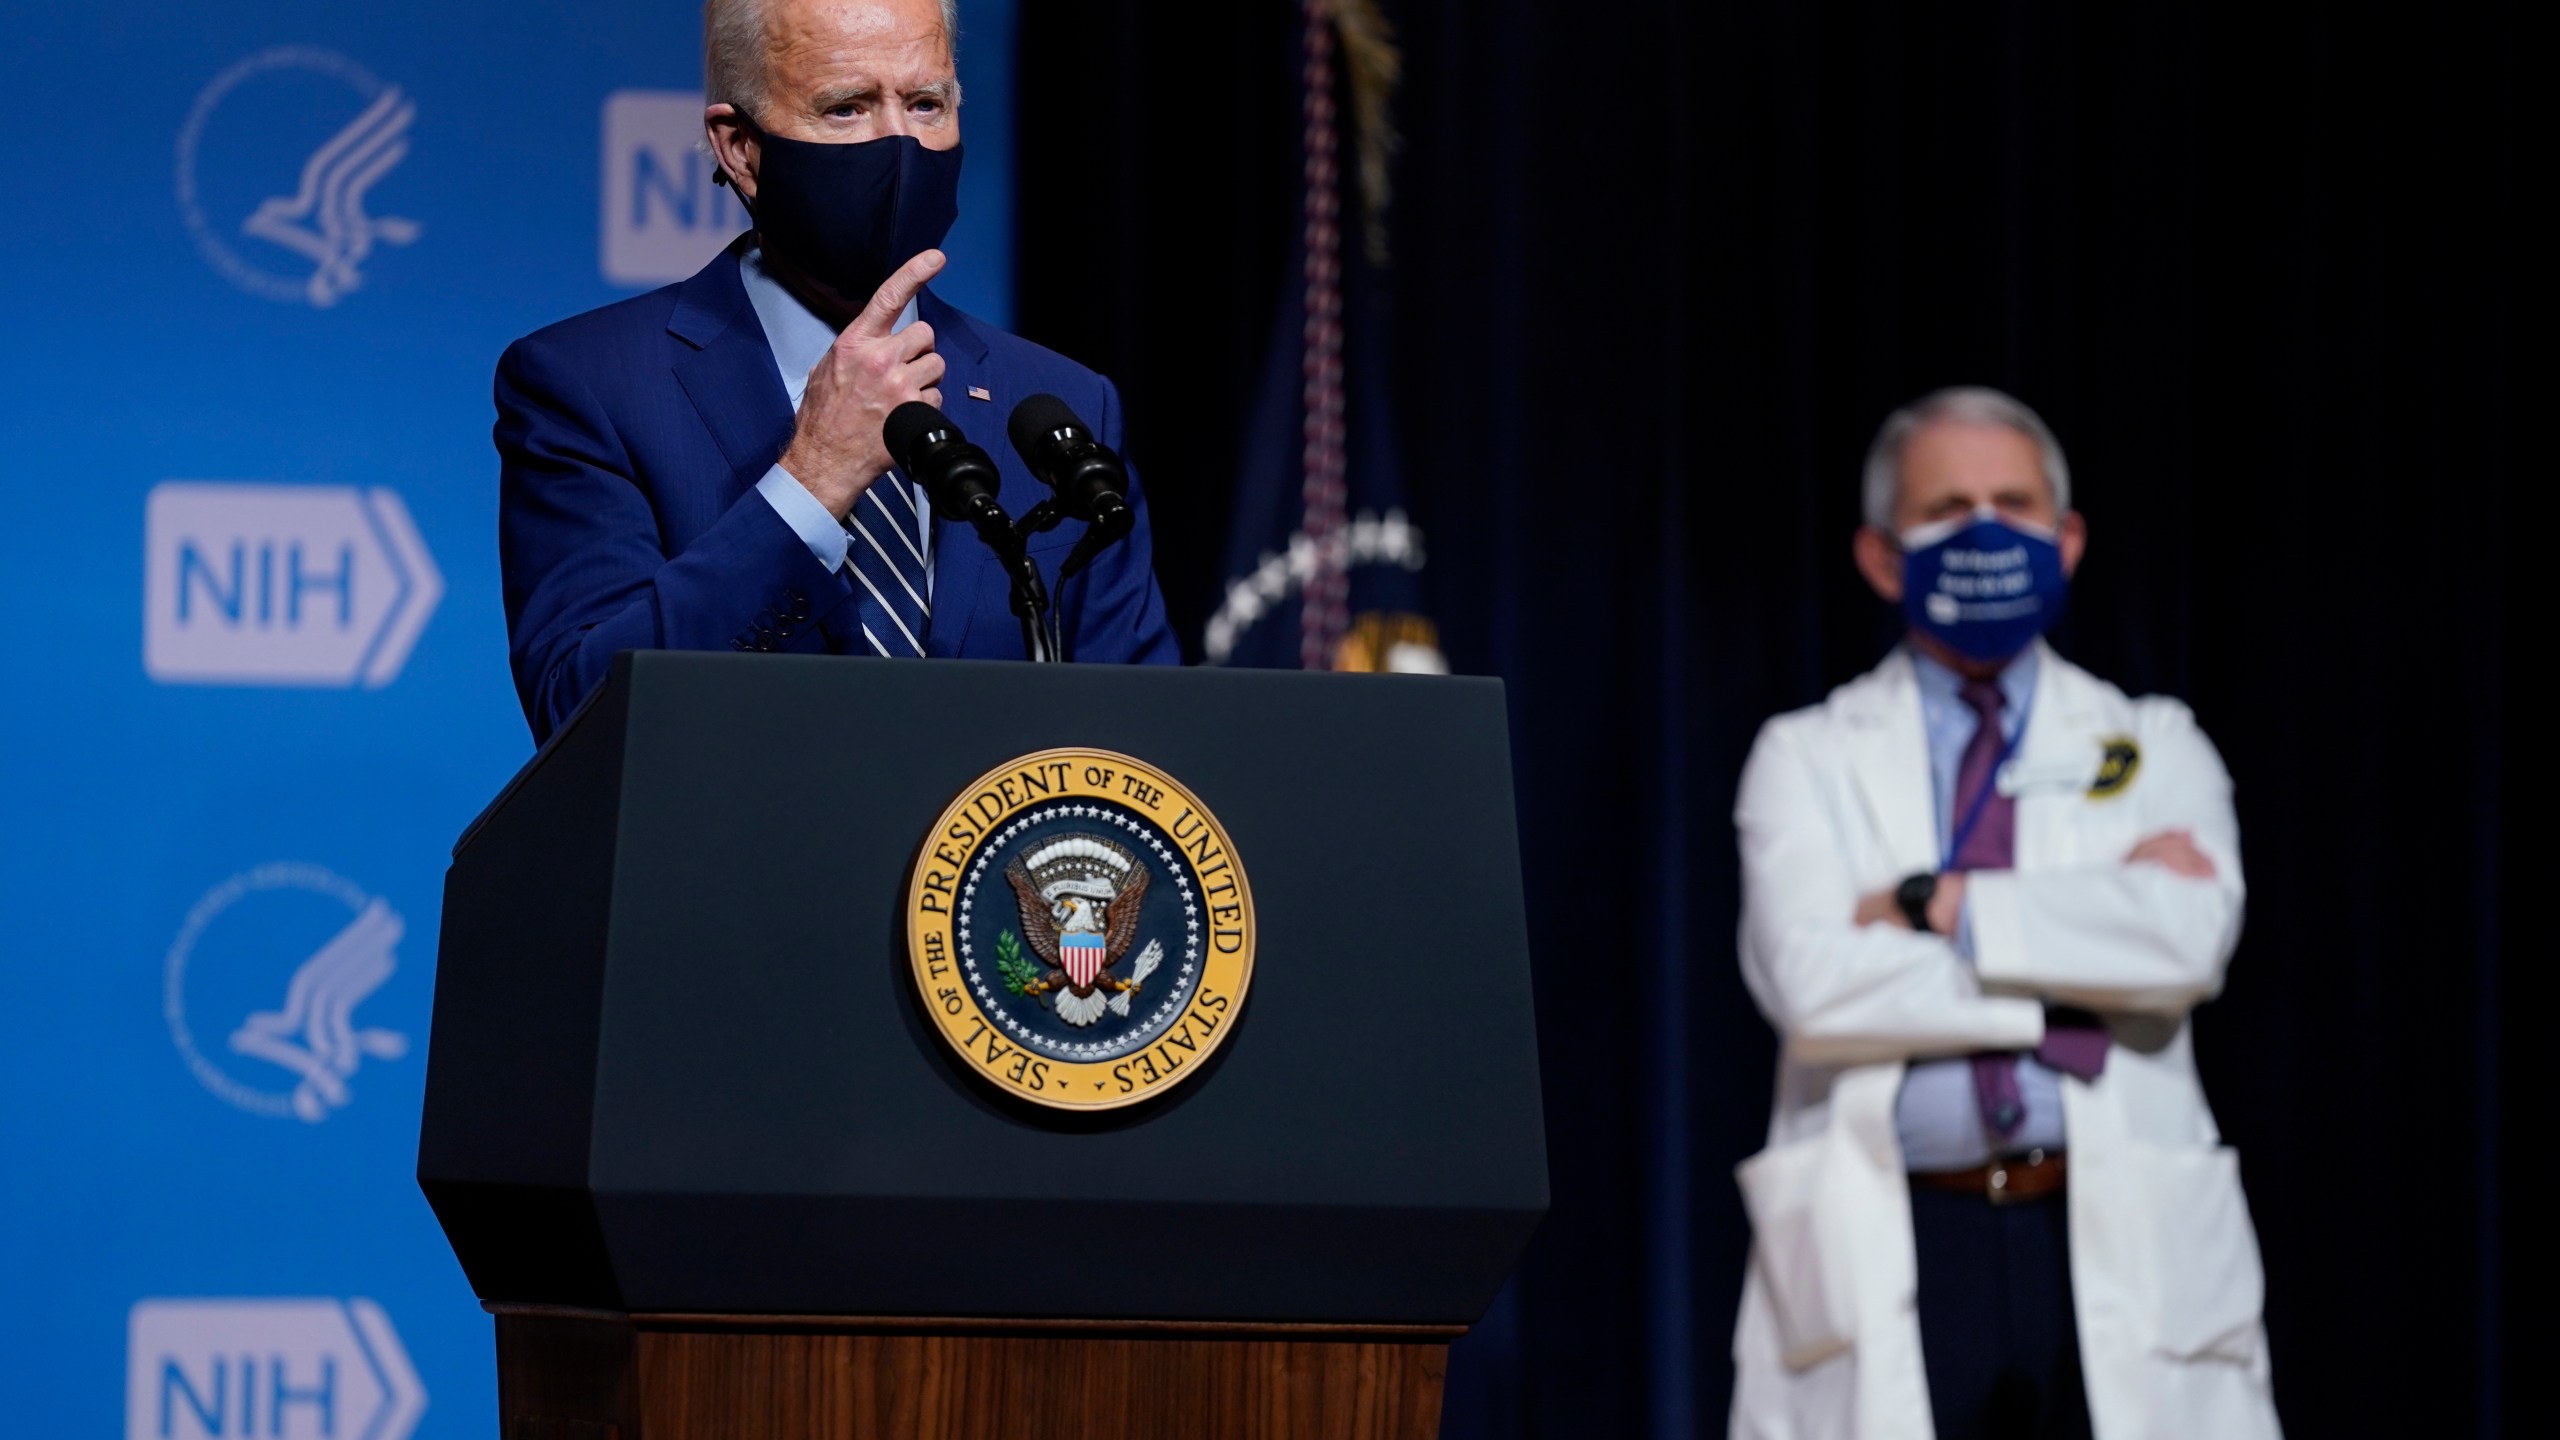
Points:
1936	1115
799	339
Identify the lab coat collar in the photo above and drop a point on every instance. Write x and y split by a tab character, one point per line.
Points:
1888	747
1888	752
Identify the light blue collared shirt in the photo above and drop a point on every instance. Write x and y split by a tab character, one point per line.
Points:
799	339
1936	1115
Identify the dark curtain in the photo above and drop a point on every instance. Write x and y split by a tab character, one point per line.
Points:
1661	269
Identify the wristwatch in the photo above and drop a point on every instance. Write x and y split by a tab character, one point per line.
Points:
1913	895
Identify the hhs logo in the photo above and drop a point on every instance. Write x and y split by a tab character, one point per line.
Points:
295	1369
277	163
270	967
282	585
663	218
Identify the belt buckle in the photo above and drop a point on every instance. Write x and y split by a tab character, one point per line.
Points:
1996	1186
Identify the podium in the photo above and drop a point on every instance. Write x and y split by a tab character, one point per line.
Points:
705	1154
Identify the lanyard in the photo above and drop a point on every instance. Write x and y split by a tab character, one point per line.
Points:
1982	798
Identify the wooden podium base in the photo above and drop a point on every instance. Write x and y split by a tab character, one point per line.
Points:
593	1375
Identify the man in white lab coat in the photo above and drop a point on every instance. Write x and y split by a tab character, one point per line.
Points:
1982	889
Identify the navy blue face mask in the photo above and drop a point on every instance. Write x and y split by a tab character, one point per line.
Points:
848	216
1984	585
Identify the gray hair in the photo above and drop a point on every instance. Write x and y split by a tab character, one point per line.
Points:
1967	404
733	52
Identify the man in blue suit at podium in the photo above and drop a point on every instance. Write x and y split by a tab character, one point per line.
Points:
702	467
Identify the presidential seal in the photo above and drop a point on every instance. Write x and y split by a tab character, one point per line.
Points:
1080	929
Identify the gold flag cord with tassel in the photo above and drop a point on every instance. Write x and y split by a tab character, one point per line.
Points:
1375	66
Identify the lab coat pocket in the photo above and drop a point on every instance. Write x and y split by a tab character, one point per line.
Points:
2205	1256
1801	1247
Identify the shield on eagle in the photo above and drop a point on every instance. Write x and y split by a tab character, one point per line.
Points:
1082	957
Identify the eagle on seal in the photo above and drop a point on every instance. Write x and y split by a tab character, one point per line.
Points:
1080	897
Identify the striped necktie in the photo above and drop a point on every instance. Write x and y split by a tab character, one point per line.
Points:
892	584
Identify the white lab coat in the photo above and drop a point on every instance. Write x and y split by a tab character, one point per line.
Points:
1836	803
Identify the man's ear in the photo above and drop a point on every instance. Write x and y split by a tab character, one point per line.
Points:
1880	561
2073	536
735	147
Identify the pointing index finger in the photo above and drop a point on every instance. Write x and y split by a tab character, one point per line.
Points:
881	316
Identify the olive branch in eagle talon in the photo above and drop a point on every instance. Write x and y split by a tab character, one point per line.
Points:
1020	976
1078	885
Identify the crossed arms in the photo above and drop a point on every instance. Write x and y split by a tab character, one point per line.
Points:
1845	980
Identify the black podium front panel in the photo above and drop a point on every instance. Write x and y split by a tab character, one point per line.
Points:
679	1064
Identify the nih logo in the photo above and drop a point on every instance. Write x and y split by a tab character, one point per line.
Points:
285	1369
663	218
278	190
282	585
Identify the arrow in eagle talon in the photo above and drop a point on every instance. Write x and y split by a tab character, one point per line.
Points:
1148	960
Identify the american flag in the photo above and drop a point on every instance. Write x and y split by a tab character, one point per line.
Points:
1320	537
1082	954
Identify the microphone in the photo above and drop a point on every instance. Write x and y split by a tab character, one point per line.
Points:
961	481
1092	482
958	477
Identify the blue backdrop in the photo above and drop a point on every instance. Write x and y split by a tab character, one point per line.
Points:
260	262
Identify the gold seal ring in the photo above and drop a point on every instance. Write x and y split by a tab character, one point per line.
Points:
1080	929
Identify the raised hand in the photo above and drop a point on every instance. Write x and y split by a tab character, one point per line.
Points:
837	451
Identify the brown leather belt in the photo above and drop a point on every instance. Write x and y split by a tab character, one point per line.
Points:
2020	1178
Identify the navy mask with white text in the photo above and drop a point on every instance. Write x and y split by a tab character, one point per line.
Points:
1985	585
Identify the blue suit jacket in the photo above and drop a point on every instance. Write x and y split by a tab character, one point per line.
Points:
630	440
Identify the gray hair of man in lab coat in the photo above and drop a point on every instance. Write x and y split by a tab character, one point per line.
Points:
1966	404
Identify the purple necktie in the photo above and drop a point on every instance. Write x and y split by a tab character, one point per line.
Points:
2073	1042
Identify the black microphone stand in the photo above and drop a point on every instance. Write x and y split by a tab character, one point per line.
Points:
1040	519
961	481
1098	536
1030	598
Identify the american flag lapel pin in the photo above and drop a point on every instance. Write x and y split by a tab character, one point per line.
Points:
979	392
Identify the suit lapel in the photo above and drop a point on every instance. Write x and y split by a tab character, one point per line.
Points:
1889	755
960	563
729	374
